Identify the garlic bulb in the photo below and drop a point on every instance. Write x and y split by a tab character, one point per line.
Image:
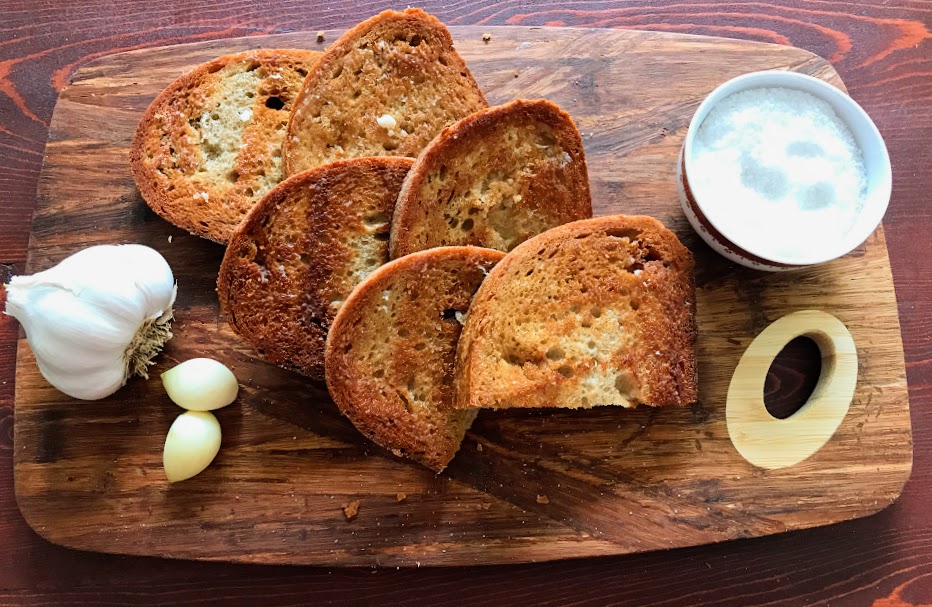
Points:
96	318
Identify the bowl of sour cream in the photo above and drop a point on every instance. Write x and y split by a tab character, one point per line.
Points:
780	170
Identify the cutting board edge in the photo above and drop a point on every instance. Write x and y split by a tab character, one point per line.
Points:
331	35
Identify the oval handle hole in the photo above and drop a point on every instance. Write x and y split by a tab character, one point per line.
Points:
792	377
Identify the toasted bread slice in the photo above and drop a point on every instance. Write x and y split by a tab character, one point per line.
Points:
494	179
209	146
384	88
595	312
300	253
391	349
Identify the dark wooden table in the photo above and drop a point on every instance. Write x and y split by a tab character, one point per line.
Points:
883	51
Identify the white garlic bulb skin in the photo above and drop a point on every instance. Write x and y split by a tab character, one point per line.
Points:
97	317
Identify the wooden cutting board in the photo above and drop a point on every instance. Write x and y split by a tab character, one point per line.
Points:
527	485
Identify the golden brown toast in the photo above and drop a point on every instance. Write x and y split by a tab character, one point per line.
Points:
494	179
384	88
302	250
209	146
595	312
391	349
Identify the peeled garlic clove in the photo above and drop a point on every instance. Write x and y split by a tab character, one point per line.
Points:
200	384
192	443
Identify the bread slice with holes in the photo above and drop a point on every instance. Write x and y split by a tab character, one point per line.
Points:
494	179
209	146
595	312
301	252
384	88
391	349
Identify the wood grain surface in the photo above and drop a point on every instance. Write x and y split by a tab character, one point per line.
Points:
526	486
882	52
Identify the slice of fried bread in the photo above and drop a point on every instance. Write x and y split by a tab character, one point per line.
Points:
209	147
595	312
494	179
300	253
384	88
391	349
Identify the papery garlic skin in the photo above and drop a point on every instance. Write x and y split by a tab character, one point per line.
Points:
96	318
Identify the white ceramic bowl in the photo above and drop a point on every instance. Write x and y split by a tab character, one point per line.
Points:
740	247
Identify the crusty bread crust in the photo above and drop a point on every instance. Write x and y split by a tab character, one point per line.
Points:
402	64
595	312
494	179
209	146
301	251
391	349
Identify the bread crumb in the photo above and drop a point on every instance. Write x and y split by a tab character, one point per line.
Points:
320	37
486	37
401	497
543	499
351	509
478	446
387	121
484	506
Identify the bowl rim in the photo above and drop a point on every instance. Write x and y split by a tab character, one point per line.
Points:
880	188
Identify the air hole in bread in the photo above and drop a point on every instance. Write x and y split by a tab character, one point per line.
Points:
591	345
403	332
356	94
555	353
467	225
248	193
443	60
382	236
420	346
565	371
388	146
529	272
448	315
415	40
442	173
635	304
337	72
376	220
629	233
473	211
274	103
248	251
546	137
377	374
203	223
233	176
625	384
596	312
454	222
253	65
